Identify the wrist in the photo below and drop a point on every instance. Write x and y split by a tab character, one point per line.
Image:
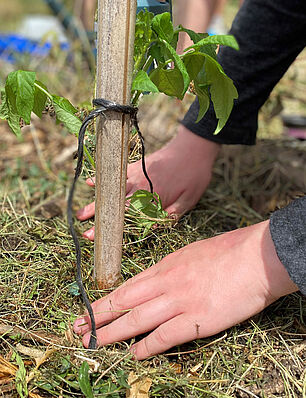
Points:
198	146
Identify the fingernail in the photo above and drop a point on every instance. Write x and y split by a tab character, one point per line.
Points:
78	323
133	352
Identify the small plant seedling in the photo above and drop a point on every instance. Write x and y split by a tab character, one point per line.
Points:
155	44
157	68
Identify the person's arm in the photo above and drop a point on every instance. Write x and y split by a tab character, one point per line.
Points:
270	35
288	231
192	14
196	292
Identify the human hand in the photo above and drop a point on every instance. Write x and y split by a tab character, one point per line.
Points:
180	172
193	293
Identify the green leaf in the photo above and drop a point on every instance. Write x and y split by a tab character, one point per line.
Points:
180	65
143	35
40	98
159	52
65	114
204	100
12	118
74	289
84	380
222	91
195	37
13	121
142	82
224	40
21	377
146	209
20	92
163	27
168	81
209	49
64	104
193	62
3	107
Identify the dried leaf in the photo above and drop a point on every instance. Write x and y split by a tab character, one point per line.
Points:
139	386
38	355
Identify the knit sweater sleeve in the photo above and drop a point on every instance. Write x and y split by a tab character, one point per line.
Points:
288	231
270	35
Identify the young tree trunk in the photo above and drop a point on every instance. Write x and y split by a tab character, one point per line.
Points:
116	28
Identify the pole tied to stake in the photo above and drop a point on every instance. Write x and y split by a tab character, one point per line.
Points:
104	106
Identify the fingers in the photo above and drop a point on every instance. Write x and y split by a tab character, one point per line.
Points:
90	234
136	291
140	319
86	212
175	331
181	205
91	181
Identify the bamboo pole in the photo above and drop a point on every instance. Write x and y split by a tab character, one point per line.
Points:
116	27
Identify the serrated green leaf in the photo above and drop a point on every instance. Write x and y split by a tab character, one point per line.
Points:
180	65
84	380
142	82
224	40
40	98
169	81
163	27
3	107
65	114
19	89
13	121
20	377
222	91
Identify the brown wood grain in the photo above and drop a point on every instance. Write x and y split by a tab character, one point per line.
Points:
116	25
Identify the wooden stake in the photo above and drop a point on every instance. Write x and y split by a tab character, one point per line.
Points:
116	27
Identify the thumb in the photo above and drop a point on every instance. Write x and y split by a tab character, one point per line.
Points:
180	206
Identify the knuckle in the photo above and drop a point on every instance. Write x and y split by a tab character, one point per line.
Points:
161	337
134	317
118	301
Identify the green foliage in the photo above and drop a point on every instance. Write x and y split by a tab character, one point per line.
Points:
20	377
198	64
146	210
84	380
23	94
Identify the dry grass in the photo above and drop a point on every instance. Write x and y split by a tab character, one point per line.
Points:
262	357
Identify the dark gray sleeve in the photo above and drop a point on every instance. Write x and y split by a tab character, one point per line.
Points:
288	231
270	33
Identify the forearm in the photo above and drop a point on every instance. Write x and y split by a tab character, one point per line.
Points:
270	36
194	15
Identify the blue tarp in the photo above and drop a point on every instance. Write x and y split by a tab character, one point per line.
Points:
12	45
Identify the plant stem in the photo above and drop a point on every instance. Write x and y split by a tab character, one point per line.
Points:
145	68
